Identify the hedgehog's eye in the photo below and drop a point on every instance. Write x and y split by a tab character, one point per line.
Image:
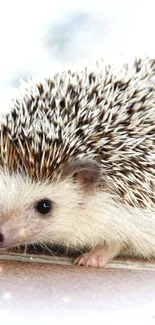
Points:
44	206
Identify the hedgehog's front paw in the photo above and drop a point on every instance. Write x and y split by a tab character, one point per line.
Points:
99	257
91	259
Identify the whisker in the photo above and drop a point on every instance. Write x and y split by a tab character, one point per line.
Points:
40	245
25	249
34	248
49	250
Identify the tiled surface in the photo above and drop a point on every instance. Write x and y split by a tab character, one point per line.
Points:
38	293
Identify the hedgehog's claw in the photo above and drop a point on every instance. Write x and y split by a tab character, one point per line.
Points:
97	258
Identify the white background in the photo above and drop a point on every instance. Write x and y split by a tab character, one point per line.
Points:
38	36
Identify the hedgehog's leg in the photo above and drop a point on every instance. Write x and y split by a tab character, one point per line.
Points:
99	257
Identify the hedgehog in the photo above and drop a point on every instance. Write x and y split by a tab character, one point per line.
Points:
77	162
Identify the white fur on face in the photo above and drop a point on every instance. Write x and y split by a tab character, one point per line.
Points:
76	219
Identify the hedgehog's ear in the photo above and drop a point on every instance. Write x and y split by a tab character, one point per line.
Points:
86	172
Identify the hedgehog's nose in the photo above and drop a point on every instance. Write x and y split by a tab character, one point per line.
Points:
1	238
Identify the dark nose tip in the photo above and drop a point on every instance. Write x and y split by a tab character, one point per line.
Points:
1	239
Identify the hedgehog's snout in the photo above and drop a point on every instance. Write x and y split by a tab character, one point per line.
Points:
1	238
10	236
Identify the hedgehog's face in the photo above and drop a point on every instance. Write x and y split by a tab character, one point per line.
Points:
33	212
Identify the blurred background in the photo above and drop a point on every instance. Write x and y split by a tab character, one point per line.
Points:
37	37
